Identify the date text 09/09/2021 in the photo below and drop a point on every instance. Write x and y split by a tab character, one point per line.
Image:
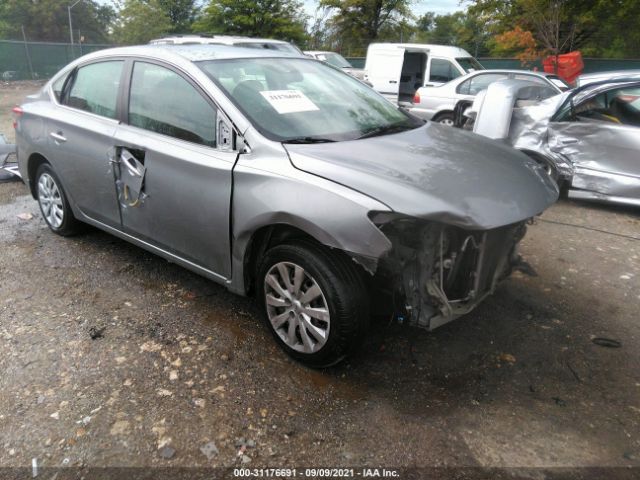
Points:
315	473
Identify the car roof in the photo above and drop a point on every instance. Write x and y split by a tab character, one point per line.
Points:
211	39
433	48
193	52
317	52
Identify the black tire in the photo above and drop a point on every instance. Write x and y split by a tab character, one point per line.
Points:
69	225
445	118
343	289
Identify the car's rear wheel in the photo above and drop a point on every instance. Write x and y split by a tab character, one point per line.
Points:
445	119
314	302
53	202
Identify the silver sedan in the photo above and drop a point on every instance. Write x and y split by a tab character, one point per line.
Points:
279	176
438	103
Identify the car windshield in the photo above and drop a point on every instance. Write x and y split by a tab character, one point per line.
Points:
304	101
559	82
469	64
334	59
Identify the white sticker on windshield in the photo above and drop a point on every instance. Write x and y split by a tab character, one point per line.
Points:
289	101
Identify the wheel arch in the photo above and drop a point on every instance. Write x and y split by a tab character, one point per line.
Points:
33	163
440	114
268	236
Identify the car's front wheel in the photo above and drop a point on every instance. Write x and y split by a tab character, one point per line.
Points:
314	302
53	202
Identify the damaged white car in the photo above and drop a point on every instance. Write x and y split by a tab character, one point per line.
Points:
589	137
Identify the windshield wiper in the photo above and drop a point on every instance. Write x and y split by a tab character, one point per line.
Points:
385	129
308	140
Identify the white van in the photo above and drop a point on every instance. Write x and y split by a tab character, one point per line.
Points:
397	70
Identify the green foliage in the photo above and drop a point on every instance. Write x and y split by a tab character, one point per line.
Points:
47	20
140	21
462	29
181	14
596	27
356	23
278	19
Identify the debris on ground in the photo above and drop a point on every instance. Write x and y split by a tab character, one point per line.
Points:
606	342
210	450
95	332
25	216
167	452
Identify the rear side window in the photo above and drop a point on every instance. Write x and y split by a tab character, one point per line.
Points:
478	83
95	88
442	70
164	102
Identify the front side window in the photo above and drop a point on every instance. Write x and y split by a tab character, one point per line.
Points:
95	88
164	102
301	100
478	83
620	106
442	71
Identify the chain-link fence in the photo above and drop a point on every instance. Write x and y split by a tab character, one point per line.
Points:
38	60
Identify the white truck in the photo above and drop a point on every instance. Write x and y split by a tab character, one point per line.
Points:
397	70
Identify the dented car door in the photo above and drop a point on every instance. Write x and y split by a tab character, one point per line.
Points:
174	165
601	138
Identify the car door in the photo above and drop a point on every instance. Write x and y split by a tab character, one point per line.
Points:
384	69
175	165
441	70
601	138
81	137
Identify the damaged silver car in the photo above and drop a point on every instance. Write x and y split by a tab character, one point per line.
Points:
279	176
589	136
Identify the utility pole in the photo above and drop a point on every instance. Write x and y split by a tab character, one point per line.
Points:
70	23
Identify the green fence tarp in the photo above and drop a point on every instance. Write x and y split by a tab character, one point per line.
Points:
38	60
46	58
590	64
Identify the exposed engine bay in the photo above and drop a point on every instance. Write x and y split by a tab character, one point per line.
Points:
442	272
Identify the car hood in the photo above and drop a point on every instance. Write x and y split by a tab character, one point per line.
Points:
437	173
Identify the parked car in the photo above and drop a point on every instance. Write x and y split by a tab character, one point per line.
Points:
588	78
397	70
237	40
278	175
438	103
589	135
337	60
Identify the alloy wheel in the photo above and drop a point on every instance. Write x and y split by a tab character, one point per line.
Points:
50	200
296	307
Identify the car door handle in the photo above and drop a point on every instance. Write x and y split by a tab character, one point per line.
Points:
129	162
58	137
393	81
568	141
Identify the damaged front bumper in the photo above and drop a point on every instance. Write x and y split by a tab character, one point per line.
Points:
442	272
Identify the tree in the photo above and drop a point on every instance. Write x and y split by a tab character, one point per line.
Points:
47	20
359	22
278	19
181	14
595	27
462	29
140	21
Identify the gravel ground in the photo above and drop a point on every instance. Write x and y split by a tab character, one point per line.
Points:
110	356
